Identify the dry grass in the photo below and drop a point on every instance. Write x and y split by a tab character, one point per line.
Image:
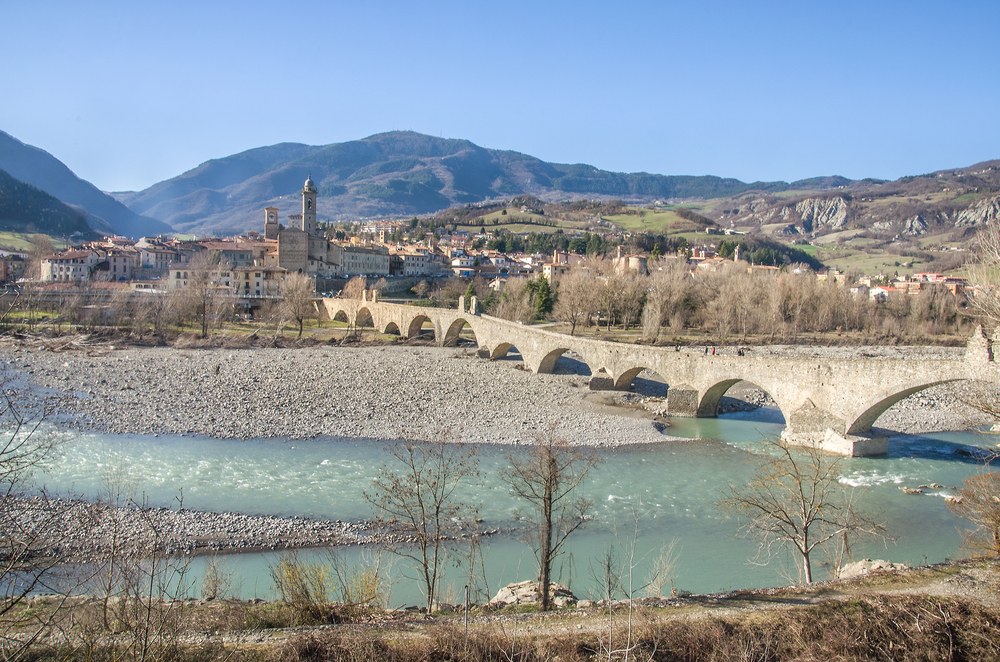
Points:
901	616
870	628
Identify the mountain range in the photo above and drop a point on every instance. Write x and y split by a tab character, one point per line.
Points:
402	173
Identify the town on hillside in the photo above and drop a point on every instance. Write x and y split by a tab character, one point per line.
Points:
252	268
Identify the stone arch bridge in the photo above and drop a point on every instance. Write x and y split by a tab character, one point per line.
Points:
826	402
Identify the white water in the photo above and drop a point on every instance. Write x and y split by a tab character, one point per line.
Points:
655	494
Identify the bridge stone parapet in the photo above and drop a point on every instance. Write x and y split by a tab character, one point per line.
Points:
829	402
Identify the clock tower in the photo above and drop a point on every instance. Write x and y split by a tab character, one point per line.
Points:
309	207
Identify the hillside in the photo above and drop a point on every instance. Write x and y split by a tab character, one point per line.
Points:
910	206
40	169
24	208
916	223
395	174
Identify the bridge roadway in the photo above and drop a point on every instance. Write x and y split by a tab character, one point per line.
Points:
826	402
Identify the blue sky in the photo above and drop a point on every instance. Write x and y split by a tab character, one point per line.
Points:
131	93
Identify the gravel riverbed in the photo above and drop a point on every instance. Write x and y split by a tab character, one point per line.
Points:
385	392
368	392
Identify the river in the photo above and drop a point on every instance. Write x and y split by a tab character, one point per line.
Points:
651	497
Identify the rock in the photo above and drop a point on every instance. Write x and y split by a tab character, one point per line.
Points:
867	566
526	593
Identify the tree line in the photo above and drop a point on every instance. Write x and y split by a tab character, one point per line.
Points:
731	304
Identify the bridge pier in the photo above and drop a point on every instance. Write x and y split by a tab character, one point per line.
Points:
683	401
815	427
828	441
601	381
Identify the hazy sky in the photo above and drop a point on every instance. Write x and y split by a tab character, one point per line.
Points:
131	93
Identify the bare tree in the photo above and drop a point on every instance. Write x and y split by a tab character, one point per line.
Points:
984	274
32	530
205	299
446	294
794	500
421	289
979	502
633	298
514	302
575	304
40	247
737	304
610	292
137	581
547	478
297	294
669	297
417	498
355	288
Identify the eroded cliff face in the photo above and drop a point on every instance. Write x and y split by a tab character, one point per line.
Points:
986	210
818	215
827	213
808	214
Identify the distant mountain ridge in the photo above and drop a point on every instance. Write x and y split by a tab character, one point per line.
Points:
403	173
24	208
43	171
947	200
399	173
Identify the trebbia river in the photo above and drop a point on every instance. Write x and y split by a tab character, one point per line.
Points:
654	496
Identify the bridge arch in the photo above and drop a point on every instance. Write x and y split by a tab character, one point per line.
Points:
364	319
631	377
416	326
708	406
391	328
502	349
571	363
862	425
547	364
454	332
340	315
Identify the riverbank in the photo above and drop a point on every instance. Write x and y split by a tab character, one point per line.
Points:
940	612
381	392
375	392
84	532
386	392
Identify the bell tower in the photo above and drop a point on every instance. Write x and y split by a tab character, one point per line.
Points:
270	222
309	207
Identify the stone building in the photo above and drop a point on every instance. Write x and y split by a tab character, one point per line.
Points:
304	248
71	266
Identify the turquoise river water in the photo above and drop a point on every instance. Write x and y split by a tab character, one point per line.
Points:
657	495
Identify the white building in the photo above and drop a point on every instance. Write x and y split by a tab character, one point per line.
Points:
72	266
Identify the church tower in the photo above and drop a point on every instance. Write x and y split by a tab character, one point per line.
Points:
309	207
270	223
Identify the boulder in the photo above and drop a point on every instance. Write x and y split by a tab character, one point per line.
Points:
526	593
867	566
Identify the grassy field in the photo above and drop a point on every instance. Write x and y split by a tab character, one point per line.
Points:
651	221
521	222
516	228
871	263
22	242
